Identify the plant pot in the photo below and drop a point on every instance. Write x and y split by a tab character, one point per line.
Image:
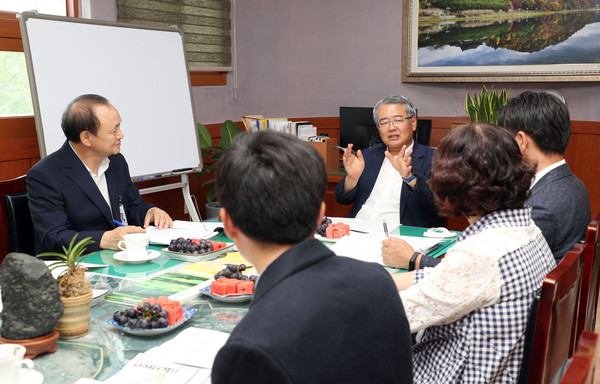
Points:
212	210
76	318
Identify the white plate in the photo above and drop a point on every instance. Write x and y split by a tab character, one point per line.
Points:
200	257
122	256
187	314
226	299
30	377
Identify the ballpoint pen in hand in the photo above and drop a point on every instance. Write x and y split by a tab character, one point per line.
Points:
343	149
119	223
385	230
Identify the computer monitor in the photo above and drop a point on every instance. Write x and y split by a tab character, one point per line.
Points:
357	127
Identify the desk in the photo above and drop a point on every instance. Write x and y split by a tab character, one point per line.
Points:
105	350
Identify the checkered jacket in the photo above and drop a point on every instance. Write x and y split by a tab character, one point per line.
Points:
486	345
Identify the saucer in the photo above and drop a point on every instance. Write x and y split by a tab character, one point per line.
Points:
30	377
440	232
122	256
97	294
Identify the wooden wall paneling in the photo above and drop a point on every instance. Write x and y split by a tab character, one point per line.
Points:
583	156
19	151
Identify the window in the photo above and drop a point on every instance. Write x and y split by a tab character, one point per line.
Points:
207	29
14	83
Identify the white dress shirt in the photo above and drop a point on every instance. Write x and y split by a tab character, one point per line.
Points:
100	178
544	171
384	201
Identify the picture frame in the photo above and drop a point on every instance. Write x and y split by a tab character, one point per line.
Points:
450	70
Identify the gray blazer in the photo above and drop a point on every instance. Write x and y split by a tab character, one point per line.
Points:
561	209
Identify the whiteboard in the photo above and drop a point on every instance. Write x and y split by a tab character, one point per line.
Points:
142	71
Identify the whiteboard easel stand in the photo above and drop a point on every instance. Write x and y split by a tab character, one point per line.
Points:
185	188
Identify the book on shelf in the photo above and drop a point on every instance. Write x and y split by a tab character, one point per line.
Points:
175	285
302	129
295	126
250	121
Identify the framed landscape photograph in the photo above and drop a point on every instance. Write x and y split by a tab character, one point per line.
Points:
501	40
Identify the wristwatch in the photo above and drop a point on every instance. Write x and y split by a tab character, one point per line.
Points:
413	259
411	177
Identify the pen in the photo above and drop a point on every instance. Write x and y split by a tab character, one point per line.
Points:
342	149
119	223
385	230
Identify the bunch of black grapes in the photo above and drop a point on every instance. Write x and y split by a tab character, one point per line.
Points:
322	228
147	316
189	246
234	271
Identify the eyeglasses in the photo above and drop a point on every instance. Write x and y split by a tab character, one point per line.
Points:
396	121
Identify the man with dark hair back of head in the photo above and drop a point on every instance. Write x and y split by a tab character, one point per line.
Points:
315	317
85	185
541	125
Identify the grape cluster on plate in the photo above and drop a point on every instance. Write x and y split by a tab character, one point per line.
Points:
322	228
190	246
146	316
234	271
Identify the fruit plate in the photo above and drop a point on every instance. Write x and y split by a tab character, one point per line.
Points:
194	258
226	299
187	314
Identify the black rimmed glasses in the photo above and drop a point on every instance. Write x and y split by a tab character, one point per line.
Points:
397	120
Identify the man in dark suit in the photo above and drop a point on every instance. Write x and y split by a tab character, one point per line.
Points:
390	183
315	317
85	185
560	204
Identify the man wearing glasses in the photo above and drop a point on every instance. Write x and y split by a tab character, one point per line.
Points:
390	182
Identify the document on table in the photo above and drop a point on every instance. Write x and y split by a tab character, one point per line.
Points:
367	247
185	229
186	358
196	347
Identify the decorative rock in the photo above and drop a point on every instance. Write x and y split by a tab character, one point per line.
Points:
30	299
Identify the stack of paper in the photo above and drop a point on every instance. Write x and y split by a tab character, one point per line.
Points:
187	358
306	131
367	247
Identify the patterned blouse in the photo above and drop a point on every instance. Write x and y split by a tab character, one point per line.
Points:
474	305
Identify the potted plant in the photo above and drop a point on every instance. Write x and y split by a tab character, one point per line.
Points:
211	154
74	288
483	107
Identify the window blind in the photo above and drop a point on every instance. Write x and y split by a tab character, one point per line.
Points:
206	25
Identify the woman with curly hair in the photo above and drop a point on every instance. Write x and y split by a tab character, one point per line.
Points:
473	307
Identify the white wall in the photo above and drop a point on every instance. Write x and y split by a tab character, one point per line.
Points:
307	57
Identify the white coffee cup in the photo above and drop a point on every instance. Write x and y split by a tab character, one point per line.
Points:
135	245
11	362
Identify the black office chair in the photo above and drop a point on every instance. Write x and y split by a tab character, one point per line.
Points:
422	134
19	224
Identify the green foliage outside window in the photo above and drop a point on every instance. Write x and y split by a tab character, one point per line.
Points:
15	96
